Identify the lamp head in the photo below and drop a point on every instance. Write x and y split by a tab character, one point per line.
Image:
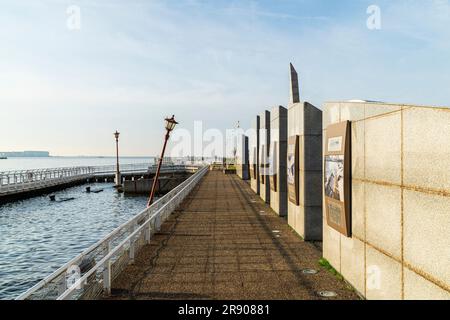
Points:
170	123
116	134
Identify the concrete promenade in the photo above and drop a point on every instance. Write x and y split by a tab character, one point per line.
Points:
225	243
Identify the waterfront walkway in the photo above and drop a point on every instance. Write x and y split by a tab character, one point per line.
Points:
225	243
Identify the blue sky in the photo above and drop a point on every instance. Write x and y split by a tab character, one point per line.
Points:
134	62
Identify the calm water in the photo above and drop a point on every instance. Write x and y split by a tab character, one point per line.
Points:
38	236
55	162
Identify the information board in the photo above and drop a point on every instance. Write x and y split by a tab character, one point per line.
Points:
337	180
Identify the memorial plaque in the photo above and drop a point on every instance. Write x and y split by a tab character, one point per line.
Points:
337	180
293	169
273	166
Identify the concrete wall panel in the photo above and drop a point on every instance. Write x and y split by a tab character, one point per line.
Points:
427	233
305	120
426	133
419	288
358	209
352	262
383	213
383	148
400	201
383	276
278	136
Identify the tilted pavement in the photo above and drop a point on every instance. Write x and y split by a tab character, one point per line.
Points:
224	242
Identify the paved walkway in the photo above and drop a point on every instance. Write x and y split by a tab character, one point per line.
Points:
225	243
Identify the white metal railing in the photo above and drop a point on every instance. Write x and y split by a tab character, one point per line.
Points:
90	274
35	175
25	180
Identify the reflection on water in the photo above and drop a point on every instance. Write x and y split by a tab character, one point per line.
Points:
37	236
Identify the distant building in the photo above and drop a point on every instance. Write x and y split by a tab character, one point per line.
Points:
25	154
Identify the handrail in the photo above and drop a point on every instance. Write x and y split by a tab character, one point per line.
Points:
17	177
19	181
112	253
162	207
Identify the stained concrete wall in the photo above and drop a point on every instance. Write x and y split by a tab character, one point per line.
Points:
264	150
278	154
254	154
305	120
400	244
144	186
242	158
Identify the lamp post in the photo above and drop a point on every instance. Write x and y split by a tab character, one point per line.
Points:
170	125
235	150
118	178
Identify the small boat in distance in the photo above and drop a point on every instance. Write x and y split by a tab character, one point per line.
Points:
3	158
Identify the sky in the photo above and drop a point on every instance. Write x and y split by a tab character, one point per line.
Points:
72	72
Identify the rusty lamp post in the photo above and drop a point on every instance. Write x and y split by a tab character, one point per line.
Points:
118	178
170	125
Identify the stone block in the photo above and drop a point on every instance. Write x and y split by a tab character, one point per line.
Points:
331	113
358	149
383	149
312	223
295	119
312	119
383	276
300	220
312	195
352	262
426	148
383	214
358	211
312	153
352	111
376	109
419	288
426	240
301	183
292	216
331	246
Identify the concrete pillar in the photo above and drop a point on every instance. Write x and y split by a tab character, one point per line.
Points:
304	166
254	155
242	161
277	160
264	149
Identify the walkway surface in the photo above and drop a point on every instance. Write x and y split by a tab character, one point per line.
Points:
224	242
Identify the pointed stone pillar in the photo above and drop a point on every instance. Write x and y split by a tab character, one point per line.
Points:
278	156
304	165
294	89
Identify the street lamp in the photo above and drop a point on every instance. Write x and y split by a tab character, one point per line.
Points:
170	125
118	178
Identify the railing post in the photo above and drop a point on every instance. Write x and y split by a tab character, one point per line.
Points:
132	251
158	222
107	278
132	244
148	233
107	274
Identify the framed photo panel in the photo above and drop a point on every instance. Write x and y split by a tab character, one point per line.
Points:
293	169
337	179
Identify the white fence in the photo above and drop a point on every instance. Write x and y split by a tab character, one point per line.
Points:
12	182
90	274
